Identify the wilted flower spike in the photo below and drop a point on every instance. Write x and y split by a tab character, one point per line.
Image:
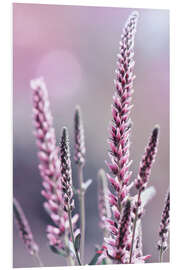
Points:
66	173
24	228
164	227
79	147
147	161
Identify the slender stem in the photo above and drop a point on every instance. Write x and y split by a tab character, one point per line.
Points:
69	259
72	235
161	255
134	228
82	211
38	259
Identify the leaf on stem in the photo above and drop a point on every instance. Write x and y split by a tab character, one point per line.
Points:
94	259
86	184
77	242
63	252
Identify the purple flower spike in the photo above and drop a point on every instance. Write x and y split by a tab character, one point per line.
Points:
79	148
117	245
164	227
147	161
121	107
24	228
66	173
44	132
48	158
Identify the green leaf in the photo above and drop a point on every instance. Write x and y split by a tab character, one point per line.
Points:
77	242
63	252
94	259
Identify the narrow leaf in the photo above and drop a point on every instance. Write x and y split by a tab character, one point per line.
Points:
86	184
62	252
77	242
94	259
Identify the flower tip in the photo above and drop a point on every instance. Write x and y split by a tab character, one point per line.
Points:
135	13
64	132
156	131
34	83
77	109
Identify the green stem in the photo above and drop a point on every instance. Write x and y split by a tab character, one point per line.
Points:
82	211
134	228
72	235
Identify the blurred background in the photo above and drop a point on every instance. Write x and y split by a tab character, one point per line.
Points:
74	48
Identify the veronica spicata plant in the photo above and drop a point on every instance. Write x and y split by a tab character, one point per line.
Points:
120	212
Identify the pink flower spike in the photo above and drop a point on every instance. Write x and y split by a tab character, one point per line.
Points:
48	153
24	228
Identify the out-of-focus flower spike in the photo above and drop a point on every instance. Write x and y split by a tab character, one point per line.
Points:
164	227
48	156
25	230
79	147
103	203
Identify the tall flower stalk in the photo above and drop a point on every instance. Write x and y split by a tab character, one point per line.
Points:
25	231
79	157
49	166
66	179
164	228
119	138
121	124
142	180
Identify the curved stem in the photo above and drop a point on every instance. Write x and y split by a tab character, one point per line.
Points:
82	211
38	259
134	228
72	235
69	259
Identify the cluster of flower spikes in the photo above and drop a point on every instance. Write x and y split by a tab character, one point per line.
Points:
49	164
24	228
164	225
119	144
